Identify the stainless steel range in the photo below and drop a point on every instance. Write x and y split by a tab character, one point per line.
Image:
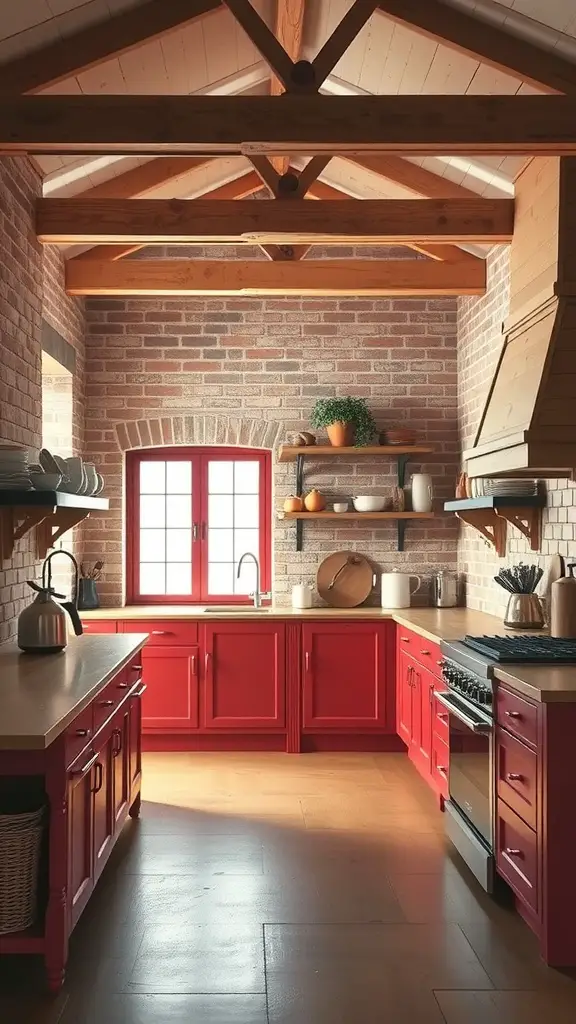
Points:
467	669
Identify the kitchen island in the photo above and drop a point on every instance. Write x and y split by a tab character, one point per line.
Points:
70	733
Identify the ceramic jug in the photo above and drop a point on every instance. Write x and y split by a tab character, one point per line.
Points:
421	487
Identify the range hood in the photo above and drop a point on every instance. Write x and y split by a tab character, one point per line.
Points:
528	426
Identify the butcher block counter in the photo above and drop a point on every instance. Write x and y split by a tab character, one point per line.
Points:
41	694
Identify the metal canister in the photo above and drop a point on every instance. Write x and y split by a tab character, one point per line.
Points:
445	589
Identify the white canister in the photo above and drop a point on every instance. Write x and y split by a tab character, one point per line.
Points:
422	493
395	589
301	596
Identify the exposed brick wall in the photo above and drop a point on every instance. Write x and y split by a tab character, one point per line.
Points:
66	315
31	286
250	360
479	343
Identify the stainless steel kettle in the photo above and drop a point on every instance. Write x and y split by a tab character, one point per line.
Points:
445	589
43	625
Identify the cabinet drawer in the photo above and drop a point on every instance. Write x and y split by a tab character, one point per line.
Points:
517	776
439	764
164	633
426	652
517	854
107	702
79	734
98	625
517	715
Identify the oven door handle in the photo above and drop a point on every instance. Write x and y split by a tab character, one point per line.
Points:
476	725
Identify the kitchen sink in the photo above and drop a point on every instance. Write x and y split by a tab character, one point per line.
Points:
240	610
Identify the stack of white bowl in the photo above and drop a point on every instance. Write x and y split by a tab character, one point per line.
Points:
14	474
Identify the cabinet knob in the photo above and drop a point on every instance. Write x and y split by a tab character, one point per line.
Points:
513	853
440	662
514	777
424	652
106	703
513	714
123	686
82	732
405	639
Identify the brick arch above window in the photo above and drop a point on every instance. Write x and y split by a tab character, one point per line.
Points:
202	429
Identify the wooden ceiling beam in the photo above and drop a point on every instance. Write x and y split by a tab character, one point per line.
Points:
152	221
289	32
99	42
272	50
486	42
235	277
212	125
411	176
241	187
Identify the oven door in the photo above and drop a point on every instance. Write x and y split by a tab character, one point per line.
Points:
470	762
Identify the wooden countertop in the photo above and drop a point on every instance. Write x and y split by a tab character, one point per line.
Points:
41	694
547	684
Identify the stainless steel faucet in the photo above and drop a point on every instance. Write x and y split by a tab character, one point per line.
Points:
257	595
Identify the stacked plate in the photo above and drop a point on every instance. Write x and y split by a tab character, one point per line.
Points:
510	488
14	474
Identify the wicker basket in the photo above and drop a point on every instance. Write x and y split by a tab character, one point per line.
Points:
20	843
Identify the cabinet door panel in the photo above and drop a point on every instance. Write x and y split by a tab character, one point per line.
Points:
170	702
103	796
244	675
344	674
135	739
80	844
404	671
427	683
121	763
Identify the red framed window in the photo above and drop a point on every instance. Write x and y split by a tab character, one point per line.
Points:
191	513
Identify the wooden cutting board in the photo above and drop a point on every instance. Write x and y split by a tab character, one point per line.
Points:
344	579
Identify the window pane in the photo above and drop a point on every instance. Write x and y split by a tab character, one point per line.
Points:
152	477
179	510
152	545
246	477
245	540
152	511
178	545
220	477
220	578
152	578
179	477
221	545
246	584
178	578
220	510
246	511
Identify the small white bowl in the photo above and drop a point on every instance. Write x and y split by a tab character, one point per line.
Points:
369	503
340	506
45	481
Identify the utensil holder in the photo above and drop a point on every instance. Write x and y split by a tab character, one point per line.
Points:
524	611
88	598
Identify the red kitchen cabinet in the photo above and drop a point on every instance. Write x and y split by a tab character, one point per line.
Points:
103	791
170	702
98	625
135	745
404	672
80	846
244	675
121	763
425	698
344	676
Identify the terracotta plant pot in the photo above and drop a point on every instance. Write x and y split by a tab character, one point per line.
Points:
341	435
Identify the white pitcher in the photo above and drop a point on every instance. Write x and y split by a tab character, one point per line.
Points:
395	589
422	493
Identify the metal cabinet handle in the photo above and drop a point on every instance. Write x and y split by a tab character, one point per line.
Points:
513	853
160	632
442	715
207	657
405	639
194	531
515	777
116	749
105	703
307	660
443	771
86	767
193	660
99	777
431	692
82	732
424	652
138	693
122	686
440	662
513	714
136	668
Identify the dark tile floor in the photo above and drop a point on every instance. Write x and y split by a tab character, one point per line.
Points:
269	889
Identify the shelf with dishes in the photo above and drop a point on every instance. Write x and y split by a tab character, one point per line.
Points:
490	515
365	507
52	513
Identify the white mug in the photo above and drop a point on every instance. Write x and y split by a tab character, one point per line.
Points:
421	492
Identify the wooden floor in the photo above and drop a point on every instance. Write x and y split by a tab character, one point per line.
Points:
293	890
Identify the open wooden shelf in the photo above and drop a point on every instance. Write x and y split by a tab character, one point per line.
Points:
490	515
356	515
288	453
53	513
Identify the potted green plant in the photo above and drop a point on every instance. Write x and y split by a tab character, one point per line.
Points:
348	421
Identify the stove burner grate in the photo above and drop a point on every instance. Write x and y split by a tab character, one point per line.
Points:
523	648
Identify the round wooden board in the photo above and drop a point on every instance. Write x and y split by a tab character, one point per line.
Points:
352	585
